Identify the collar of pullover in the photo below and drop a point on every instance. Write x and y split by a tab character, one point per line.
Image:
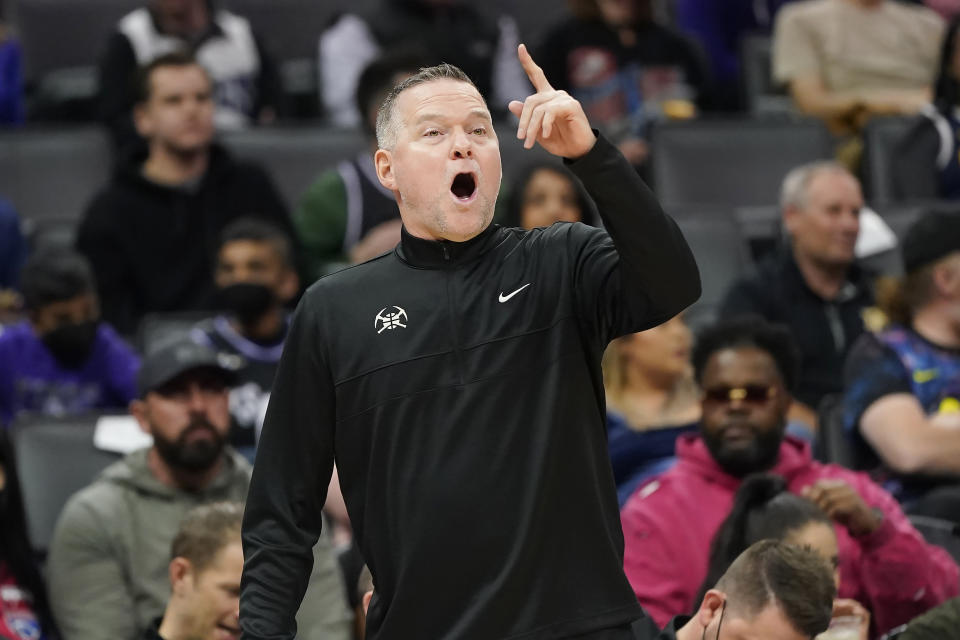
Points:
442	254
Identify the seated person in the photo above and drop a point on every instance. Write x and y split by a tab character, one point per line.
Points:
812	284
255	278
625	69
246	85
925	162
544	193
747	370
24	610
772	590
152	232
763	509
108	559
459	32
651	400
206	562
62	360
11	75
903	384
346	215
13	252
845	60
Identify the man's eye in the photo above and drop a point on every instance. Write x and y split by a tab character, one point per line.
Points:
432	133
480	131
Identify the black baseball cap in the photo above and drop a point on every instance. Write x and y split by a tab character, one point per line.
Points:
178	356
930	238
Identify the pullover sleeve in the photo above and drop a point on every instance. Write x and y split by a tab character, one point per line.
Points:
87	581
643	273
282	521
901	574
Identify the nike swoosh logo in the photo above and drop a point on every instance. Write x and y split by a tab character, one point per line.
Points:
504	298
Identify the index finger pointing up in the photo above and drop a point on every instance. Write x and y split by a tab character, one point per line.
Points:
534	72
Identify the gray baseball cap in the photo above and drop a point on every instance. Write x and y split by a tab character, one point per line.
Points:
178	356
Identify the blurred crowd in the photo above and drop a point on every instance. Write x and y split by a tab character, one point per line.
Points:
817	406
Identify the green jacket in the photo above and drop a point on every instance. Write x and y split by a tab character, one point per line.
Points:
108	563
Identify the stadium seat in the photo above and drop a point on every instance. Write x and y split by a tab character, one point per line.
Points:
834	445
53	172
942	533
880	139
534	18
722	255
50	233
55	458
156	329
62	40
295	155
290	30
731	162
763	96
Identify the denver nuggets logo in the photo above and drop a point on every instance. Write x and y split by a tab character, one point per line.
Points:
390	321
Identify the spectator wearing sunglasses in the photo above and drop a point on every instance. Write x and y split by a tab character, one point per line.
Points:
747	370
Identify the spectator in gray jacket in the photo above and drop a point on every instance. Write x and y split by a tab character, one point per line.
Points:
110	551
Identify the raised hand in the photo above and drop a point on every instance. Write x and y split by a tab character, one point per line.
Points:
842	503
552	118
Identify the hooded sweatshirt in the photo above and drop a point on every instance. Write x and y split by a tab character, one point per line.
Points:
669	524
152	246
108	563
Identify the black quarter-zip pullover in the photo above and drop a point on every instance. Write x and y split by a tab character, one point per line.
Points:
458	388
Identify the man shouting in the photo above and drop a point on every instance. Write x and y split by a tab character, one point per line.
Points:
456	383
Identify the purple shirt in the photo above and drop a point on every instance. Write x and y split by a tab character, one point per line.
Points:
31	379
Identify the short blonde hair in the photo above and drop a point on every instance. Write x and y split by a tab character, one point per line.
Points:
386	115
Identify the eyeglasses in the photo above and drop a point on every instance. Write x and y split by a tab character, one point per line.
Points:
723	608
749	394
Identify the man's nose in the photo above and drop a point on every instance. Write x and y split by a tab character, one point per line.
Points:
461	145
196	400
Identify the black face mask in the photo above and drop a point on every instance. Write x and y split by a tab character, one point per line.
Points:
71	344
248	301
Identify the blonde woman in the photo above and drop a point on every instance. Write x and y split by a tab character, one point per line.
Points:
651	400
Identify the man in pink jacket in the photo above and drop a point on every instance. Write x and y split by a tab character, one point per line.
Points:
746	370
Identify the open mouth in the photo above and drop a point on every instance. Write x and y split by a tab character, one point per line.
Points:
464	187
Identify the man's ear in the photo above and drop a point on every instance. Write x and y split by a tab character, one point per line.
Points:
791	216
181	576
138	409
383	160
289	285
710	607
946	276
142	122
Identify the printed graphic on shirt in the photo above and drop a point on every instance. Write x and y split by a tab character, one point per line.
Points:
18	616
56	397
623	98
391	321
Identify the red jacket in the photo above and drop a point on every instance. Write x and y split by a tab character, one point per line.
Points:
669	523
